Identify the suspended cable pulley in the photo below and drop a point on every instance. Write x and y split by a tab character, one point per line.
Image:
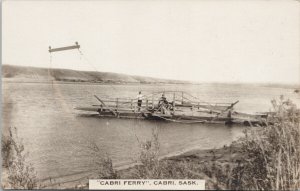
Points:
76	46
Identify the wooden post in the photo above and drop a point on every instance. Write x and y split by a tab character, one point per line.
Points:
182	98
110	109
117	104
174	95
76	46
131	104
146	104
174	98
152	101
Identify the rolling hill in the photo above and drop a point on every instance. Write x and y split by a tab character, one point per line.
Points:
41	74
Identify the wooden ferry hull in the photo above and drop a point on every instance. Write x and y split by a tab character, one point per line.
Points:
179	110
246	119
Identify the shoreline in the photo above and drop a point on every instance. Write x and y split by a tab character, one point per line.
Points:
198	159
49	81
224	155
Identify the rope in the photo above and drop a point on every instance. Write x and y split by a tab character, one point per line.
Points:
197	99
50	68
84	57
95	69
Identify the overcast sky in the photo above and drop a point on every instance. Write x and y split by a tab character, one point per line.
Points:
204	41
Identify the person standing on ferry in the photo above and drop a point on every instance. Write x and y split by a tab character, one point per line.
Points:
140	100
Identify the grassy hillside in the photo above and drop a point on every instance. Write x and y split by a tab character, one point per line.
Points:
33	73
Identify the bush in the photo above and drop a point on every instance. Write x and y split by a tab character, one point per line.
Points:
151	167
102	163
148	158
6	150
271	155
20	174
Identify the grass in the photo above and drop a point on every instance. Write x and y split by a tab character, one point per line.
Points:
150	167
21	174
272	154
6	150
102	163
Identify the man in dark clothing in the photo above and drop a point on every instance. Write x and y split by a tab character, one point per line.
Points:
140	100
163	104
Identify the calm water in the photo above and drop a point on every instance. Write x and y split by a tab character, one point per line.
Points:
57	136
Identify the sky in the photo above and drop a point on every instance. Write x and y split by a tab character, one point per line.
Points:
239	41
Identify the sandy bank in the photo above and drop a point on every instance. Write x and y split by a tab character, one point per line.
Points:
197	159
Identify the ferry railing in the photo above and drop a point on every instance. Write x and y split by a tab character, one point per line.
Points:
176	98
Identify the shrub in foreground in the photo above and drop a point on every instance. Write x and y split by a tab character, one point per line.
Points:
271	154
102	163
21	175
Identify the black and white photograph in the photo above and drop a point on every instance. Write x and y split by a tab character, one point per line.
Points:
150	94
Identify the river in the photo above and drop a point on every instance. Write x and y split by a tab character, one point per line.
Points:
56	136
